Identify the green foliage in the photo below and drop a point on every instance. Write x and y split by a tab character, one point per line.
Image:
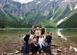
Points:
10	21
47	23
71	22
7	20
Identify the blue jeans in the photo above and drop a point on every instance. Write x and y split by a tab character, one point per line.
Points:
25	49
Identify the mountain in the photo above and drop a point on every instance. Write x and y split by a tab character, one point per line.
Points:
37	12
71	22
7	20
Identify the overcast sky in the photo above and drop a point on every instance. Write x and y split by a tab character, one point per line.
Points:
23	1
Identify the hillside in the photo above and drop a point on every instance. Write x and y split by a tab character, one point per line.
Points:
47	12
70	23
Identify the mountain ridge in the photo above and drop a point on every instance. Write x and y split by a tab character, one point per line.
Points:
37	12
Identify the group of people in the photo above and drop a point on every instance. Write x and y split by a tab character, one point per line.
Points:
37	41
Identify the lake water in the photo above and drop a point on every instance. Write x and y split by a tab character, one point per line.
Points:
70	34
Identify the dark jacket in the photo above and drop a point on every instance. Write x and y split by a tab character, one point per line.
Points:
48	39
26	38
25	47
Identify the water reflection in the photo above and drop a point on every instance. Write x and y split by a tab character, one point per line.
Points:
66	33
70	34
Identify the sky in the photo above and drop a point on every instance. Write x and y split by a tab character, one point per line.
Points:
23	1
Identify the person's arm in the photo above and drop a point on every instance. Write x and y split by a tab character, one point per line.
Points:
25	38
51	38
30	41
46	38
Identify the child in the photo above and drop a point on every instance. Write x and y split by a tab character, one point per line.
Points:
33	30
43	30
37	32
25	48
48	41
48	38
41	43
34	46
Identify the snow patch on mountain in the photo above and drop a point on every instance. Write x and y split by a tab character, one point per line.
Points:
23	1
38	2
62	20
75	6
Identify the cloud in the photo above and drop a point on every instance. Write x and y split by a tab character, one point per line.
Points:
23	1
